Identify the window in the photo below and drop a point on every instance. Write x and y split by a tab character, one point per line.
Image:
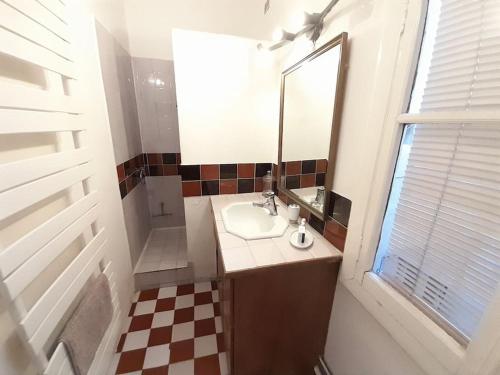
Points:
440	240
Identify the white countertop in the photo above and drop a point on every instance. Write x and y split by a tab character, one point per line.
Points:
241	255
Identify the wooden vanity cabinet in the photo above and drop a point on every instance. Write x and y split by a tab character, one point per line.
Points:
275	319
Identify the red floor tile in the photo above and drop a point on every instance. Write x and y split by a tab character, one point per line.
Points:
160	336
204	327
131	361
216	309
165	304
181	351
141	322
203	298
220	343
147	295
185	289
163	370
207	365
184	315
132	309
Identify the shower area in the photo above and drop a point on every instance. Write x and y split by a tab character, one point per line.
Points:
142	110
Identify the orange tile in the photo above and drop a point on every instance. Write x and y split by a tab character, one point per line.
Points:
120	170
228	186
336	234
170	170
210	172
321	165
307	180
246	170
191	188
293	168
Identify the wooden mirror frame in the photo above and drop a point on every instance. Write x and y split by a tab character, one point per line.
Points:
339	40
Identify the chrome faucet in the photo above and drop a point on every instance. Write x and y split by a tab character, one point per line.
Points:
269	203
320	197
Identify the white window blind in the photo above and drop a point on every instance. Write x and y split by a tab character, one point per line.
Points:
440	241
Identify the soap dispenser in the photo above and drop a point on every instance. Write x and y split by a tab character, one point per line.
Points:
301	238
267	182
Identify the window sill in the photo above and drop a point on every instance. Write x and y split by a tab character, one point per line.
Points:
428	344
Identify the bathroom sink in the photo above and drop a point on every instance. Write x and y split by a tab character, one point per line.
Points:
251	223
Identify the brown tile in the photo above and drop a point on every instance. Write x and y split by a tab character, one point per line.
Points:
182	290
307	180
246	170
119	347
178	157
293	168
216	309
170	170
336	234
204	327
154	159
129	183
160	336
191	188
141	322
208	365
156	170
283	197
132	309
203	298
321	165
210	172
162	370
131	361
147	295
259	184
120	171
184	315
220	343
228	186
165	304
181	351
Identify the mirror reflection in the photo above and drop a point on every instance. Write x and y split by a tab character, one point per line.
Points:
308	93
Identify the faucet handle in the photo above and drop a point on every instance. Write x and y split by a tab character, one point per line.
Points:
268	194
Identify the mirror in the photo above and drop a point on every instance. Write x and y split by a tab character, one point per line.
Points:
311	98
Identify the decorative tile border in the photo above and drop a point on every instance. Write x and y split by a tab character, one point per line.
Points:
304	173
197	180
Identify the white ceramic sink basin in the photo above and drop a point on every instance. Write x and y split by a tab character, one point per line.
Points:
251	223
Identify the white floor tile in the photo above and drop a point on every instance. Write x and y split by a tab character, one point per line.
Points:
182	331
204	311
136	340
223	364
162	319
167	292
205	345
215	296
156	356
218	324
182	302
203	287
145	307
181	368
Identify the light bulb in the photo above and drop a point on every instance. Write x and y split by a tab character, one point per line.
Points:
278	35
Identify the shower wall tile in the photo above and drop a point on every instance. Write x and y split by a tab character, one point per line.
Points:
156	104
165	201
137	220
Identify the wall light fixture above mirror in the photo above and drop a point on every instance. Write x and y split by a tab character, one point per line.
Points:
311	102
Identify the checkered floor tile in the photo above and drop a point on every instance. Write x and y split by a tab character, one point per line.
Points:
175	331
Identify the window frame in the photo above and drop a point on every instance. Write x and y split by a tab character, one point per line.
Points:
432	348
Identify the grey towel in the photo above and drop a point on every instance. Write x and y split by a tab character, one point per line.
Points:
86	327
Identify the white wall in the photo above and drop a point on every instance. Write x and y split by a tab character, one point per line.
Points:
227	99
358	345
